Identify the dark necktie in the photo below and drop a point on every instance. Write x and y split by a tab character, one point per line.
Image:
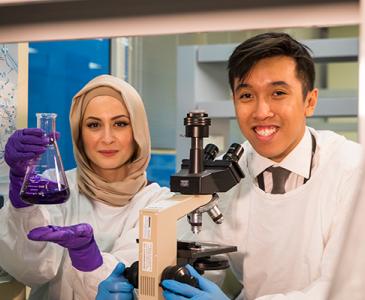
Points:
279	177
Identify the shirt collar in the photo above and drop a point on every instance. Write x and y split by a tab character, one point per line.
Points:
297	161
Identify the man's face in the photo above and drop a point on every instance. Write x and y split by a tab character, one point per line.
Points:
270	108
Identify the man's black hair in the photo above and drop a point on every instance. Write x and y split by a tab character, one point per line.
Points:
271	44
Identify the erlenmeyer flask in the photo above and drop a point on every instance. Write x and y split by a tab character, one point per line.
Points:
45	180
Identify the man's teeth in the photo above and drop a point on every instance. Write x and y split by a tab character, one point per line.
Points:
265	131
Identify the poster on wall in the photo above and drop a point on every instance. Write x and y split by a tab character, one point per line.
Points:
13	107
8	88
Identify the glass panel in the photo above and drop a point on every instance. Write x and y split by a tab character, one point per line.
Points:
154	75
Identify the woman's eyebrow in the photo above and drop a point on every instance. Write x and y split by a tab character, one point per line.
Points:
120	116
113	118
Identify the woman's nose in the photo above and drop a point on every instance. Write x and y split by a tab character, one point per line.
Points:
108	135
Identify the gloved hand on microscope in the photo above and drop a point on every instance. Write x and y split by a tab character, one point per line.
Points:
174	290
116	287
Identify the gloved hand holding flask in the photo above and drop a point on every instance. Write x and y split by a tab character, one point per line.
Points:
22	146
78	239
45	180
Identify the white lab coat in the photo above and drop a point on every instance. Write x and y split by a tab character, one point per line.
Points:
46	267
288	244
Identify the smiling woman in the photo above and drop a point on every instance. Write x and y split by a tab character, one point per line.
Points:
108	137
98	226
112	148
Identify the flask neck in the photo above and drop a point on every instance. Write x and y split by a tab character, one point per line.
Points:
47	122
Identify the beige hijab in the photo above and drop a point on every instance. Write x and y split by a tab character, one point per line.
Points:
92	185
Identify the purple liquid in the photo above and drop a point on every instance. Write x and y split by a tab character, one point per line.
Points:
39	190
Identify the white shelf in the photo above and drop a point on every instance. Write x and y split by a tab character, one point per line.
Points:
324	50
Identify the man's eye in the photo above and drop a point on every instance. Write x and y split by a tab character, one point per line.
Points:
245	96
279	93
92	124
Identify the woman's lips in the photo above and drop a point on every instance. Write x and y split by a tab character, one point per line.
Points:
108	152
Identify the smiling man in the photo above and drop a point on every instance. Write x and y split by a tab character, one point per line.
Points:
287	216
270	106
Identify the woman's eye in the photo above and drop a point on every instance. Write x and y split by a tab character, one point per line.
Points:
92	124
121	123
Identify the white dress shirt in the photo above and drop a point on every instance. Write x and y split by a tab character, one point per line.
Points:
298	161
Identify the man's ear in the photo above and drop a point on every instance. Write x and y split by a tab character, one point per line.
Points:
311	102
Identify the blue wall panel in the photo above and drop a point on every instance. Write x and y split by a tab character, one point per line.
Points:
57	70
160	168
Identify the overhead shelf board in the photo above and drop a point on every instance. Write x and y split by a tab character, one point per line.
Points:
323	50
79	19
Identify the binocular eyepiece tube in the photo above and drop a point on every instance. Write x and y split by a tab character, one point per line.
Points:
196	127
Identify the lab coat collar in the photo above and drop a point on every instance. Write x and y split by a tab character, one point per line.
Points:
297	161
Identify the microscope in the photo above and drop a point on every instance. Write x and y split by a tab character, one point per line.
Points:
196	186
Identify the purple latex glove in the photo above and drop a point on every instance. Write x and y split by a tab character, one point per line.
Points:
22	146
78	239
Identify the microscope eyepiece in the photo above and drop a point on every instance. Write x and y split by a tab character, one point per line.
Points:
198	118
234	153
197	125
210	152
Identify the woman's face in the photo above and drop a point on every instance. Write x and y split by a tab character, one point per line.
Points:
107	137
